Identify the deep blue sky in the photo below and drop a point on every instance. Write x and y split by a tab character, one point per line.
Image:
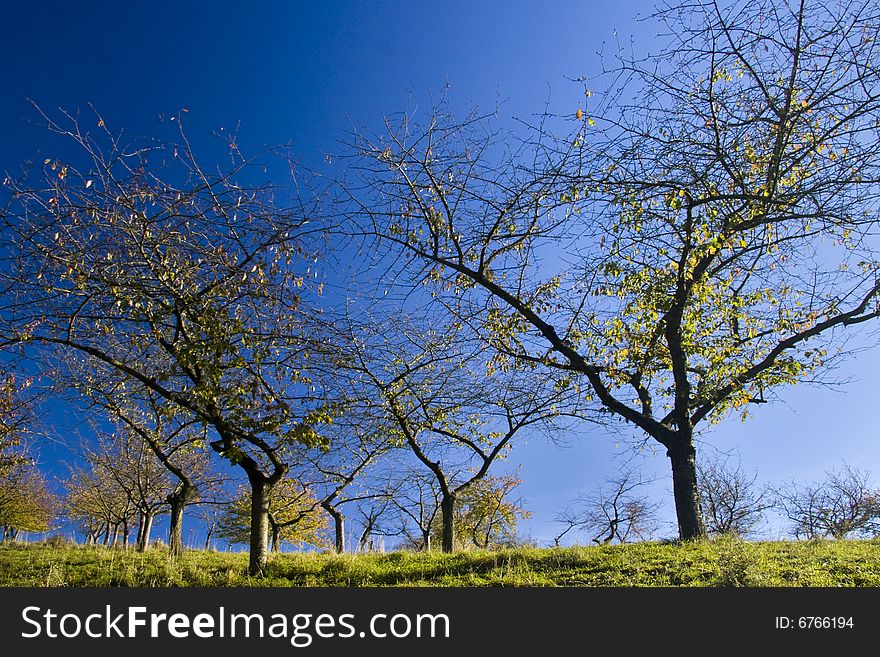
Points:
306	72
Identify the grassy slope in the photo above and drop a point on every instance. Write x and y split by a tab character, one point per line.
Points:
718	563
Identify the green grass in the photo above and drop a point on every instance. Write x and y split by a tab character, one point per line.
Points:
725	562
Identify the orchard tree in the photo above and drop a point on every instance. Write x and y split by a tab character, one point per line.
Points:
729	500
374	516
436	396
180	280
844	504
704	236
617	511
177	440
416	497
337	478
487	514
98	505
26	503
294	516
125	460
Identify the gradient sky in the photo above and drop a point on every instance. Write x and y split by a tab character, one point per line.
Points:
307	72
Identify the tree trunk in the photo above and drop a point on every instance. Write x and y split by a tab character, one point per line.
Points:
684	487
177	501
339	534
209	533
175	524
447	515
144	529
365	537
259	555
276	535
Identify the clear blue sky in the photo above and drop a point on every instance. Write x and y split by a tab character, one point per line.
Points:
305	72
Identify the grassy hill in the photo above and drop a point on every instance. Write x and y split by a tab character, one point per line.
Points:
725	562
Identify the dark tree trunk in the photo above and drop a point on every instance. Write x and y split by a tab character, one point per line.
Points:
684	487
447	515
339	542
144	529
276	535
177	502
209	534
338	527
365	539
259	554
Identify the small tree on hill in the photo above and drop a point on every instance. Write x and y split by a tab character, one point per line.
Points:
844	505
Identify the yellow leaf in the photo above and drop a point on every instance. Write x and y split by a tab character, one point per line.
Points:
580	114
591	122
804	103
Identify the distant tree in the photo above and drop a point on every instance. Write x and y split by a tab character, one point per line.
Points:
210	514
26	504
177	440
126	460
96	502
416	497
440	397
374	515
844	504
729	500
338	474
488	513
616	511
294	516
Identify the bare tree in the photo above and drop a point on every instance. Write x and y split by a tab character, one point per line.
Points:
436	396
416	497
844	504
357	441
374	515
729	500
615	511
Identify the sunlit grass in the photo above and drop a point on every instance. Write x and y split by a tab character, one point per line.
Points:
726	562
